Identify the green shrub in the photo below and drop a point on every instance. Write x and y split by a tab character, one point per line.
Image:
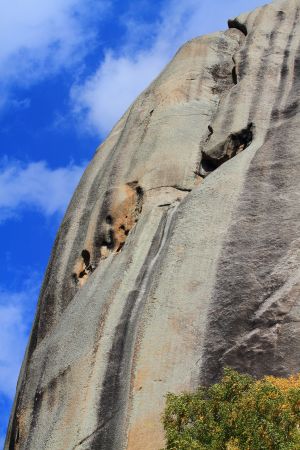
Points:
238	413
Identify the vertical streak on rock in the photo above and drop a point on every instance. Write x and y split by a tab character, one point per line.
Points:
115	393
256	258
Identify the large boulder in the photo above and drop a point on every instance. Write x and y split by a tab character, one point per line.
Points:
180	251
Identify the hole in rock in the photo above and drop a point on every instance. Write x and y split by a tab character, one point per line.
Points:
281	15
207	164
139	191
113	230
233	145
109	219
234	23
75	277
234	75
86	257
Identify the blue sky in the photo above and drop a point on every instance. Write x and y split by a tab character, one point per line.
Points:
68	71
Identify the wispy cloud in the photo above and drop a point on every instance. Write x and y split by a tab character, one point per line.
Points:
16	308
103	98
100	100
36	186
16	313
38	38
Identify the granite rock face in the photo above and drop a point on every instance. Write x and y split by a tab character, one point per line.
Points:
180	250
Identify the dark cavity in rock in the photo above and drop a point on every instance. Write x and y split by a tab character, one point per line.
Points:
233	145
234	23
234	75
86	257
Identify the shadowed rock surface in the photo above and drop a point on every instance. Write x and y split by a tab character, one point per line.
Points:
180	250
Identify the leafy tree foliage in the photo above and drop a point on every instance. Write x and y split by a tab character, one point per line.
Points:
238	413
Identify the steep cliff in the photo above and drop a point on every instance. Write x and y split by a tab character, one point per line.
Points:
180	250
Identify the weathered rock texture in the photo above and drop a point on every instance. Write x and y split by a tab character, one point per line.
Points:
180	250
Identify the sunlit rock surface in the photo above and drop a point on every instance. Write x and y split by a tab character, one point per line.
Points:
180	250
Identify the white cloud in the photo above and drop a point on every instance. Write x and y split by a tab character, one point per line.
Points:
38	38
16	310
36	186
16	313
100	100
13	335
105	96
